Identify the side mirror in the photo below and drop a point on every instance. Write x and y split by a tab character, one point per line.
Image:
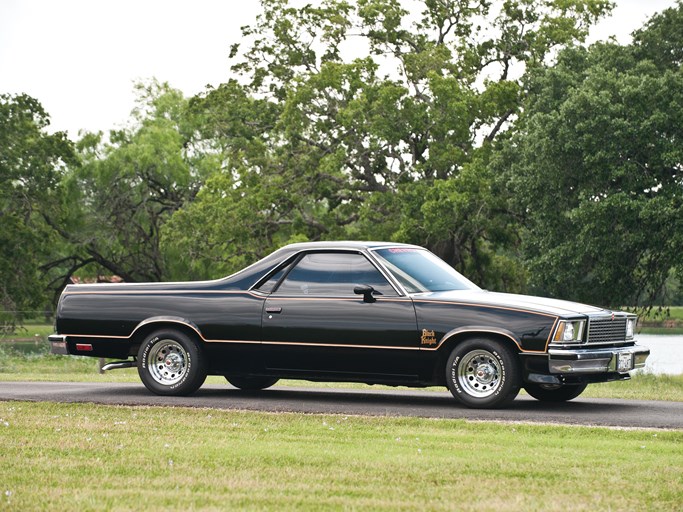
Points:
366	291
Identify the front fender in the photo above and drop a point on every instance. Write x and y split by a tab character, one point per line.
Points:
476	329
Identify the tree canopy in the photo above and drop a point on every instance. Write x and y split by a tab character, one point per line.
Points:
32	165
485	131
597	163
389	144
128	186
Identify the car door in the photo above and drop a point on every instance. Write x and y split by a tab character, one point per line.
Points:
313	322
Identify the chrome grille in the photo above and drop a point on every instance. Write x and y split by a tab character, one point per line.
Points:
606	330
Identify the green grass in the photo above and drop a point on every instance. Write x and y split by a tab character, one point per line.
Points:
29	331
675	313
642	386
91	457
666	321
661	330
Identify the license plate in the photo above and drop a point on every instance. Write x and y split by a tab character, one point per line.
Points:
58	347
625	362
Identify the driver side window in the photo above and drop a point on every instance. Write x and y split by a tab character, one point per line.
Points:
333	274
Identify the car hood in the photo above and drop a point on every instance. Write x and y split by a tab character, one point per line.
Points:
545	305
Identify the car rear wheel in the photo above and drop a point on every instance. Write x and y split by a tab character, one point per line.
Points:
171	363
554	392
483	373
251	383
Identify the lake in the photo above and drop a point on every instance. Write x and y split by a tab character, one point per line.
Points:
666	352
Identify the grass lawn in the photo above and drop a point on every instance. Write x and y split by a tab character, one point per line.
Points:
663	322
90	457
28	331
674	313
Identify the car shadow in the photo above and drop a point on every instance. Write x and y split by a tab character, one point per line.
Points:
367	400
410	403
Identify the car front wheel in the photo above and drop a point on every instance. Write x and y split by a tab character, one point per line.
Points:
483	373
171	363
554	392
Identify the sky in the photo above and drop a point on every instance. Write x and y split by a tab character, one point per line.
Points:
81	58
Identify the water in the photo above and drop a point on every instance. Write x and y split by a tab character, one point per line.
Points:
666	352
39	346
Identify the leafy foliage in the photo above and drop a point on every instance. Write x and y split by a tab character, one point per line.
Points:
32	163
391	144
479	129
598	162
126	188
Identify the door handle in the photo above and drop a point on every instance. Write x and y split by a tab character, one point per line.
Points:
273	310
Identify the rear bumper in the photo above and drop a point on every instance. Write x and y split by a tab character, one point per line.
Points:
603	360
58	344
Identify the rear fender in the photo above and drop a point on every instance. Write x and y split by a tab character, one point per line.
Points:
154	323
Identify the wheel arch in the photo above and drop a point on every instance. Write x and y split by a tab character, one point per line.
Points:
150	325
457	336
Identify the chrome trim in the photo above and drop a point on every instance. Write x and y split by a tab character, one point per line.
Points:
58	344
388	272
543	379
119	364
363	252
126	291
165	319
587	360
338	345
633	318
606	329
478	329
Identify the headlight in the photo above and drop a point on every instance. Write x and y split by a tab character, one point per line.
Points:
569	331
631	327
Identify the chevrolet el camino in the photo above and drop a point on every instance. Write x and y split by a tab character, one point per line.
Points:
369	312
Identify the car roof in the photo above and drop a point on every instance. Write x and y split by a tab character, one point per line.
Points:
347	244
246	277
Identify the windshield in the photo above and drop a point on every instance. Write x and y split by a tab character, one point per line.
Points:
419	271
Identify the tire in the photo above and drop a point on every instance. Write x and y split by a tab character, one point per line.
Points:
251	383
483	374
554	392
171	363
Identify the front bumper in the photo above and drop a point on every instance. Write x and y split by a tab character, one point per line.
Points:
597	360
58	344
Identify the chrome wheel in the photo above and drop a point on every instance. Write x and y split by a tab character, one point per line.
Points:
171	362
479	373
167	362
483	373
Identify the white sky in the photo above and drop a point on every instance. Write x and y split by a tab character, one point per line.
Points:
80	58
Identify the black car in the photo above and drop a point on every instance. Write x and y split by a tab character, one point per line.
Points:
371	312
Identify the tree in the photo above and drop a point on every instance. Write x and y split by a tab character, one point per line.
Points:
32	163
126	188
597	168
334	147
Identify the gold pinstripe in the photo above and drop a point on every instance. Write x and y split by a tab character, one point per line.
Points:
331	345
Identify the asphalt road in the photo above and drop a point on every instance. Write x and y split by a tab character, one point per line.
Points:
582	411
